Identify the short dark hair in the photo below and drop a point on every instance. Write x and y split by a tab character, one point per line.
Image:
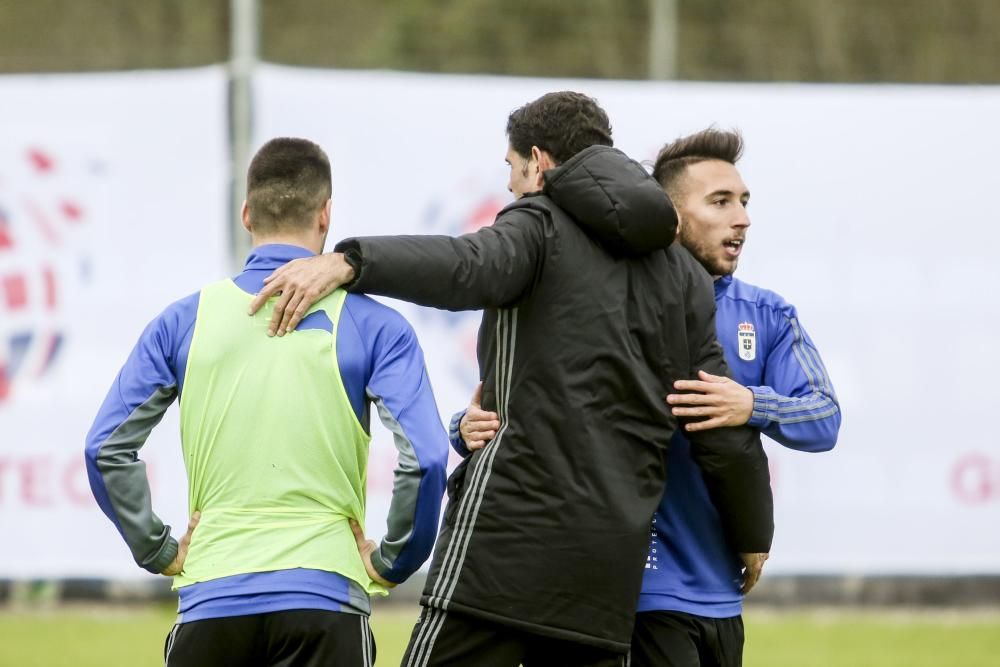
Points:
287	182
711	144
562	124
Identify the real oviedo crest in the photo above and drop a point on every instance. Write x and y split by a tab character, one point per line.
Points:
747	342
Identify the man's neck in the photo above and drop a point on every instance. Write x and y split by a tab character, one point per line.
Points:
312	245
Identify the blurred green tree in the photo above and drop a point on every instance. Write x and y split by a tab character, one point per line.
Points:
908	41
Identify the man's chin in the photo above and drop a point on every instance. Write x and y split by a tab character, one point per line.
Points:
726	267
720	269
716	266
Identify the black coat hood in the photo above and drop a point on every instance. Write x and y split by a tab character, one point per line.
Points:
614	200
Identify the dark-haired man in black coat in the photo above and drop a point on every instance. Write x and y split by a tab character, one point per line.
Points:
590	316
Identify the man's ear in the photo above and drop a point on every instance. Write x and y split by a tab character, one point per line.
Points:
543	162
324	217
245	216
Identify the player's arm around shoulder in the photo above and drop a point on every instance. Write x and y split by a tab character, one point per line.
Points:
795	404
489	268
144	388
401	391
455	437
473	428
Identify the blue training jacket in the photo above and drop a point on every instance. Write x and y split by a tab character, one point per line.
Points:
380	362
690	567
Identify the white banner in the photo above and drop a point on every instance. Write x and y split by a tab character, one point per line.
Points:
113	204
866	215
870	213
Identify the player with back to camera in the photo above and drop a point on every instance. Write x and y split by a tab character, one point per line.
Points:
274	568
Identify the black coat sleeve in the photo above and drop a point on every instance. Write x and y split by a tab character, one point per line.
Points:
491	268
732	460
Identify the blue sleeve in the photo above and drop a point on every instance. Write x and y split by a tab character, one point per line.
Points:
455	434
145	387
401	391
796	406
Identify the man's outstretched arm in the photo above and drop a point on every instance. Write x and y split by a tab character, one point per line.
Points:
490	268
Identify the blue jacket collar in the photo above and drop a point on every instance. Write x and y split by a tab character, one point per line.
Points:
272	255
722	284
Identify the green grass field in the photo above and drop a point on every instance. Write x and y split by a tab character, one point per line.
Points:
133	637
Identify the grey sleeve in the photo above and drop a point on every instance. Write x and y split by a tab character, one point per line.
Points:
119	482
402	393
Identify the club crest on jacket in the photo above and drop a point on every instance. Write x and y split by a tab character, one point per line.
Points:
748	342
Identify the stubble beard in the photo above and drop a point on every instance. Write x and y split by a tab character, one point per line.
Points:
708	256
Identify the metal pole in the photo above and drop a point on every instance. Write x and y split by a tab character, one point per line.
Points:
244	41
663	34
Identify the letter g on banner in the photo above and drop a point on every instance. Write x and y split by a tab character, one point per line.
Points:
975	479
